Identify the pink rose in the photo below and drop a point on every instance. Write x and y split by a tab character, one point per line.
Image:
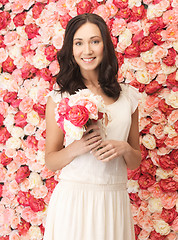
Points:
168	215
120	4
170	33
54	67
8	65
32	142
4	19
26	105
23	198
146	180
78	115
40	109
1	120
1	189
134	174
134	198
133	50
157	37
156	24
22	173
32	30
2	45
26	51
51	184
19	19
171	80
137	13
64	19
51	53
156	236
170	59
45	74
4	135
137	231
123	13
164	107
174	155
36	204
84	6
157	116
28	71
10	97
146	44
37	9
20	119
168	185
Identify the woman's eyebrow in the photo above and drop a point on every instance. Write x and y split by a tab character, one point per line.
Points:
90	38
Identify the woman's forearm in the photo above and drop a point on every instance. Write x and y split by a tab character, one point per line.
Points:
132	158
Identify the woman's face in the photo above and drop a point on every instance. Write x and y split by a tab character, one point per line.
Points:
88	47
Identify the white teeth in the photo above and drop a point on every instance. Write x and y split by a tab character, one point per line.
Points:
88	59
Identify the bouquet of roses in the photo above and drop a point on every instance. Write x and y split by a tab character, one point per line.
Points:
74	113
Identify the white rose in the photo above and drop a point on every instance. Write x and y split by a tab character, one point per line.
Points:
172	99
9	122
4	55
33	93
163	174
143	77
6	80
40	61
14	52
168	129
153	11
132	186
33	118
133	3
17	132
72	131
40	157
147	56
14	143
167	69
149	141
175	45
155	205
125	37
35	233
35	180
161	227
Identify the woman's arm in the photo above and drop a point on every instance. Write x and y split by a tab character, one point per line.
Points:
130	150
56	156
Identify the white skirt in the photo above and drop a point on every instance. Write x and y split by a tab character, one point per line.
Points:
79	211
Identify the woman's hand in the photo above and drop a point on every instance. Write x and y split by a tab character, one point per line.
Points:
110	149
90	140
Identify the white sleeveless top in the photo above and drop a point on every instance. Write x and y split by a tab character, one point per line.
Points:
86	168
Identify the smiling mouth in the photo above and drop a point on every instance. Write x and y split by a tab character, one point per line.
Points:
88	60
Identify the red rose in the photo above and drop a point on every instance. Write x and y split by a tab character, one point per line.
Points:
134	174
23	198
1	188
147	166
15	103
156	236
32	30
137	231
4	159
1	120
133	50
51	53
45	74
120	58
137	13
137	37
146	129
22	173
167	163
28	71
23	227
170	59
134	198
164	107
51	184
19	19
20	119
2	45
63	107
42	229
168	215
146	180
3	2
78	115
4	135
8	65
174	155
168	185
40	109
146	44
37	9
95	4
156	37
171	79
123	13
138	85
84	6
4	238
153	87
176	126
160	142
43	134
64	19
36	204
144	151
156	24
4	19
9	97
121	3
32	142
114	41
26	50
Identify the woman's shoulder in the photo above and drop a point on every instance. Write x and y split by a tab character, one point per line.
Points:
56	95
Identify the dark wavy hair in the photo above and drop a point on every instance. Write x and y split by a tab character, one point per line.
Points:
69	77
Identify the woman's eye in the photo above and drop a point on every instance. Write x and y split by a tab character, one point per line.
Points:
78	43
95	41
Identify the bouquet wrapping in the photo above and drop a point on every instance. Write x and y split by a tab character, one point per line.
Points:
74	113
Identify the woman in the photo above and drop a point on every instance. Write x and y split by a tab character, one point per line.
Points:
91	200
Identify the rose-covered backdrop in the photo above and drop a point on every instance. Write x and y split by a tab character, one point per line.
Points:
145	36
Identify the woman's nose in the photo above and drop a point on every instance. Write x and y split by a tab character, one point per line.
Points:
87	49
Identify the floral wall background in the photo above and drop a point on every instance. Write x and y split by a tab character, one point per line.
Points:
145	37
